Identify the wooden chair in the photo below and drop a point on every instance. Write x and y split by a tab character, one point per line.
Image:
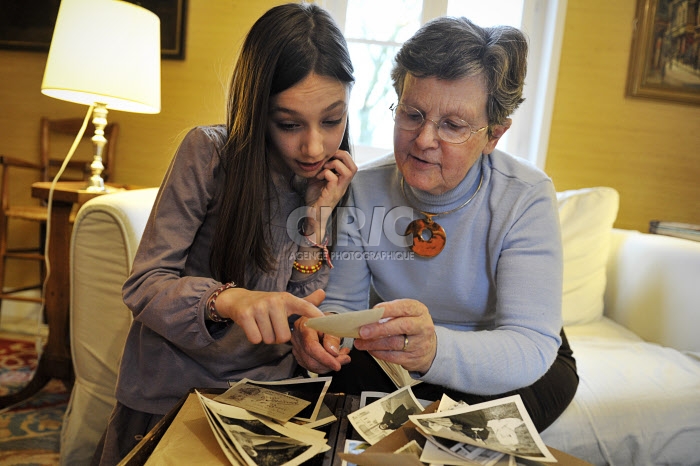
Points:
55	137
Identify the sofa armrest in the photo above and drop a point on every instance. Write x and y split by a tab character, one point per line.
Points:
106	234
653	287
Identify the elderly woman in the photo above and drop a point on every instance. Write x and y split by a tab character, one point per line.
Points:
460	241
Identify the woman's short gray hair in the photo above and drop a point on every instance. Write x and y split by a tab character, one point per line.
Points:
453	48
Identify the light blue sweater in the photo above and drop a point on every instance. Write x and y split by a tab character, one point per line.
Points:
494	292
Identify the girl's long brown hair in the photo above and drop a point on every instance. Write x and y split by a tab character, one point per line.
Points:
283	47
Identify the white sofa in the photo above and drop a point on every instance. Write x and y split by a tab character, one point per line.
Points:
631	310
105	236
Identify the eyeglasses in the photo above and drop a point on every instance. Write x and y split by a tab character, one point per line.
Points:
450	129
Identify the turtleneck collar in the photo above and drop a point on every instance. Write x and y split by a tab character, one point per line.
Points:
427	202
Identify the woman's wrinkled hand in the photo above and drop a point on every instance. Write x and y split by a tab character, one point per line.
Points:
407	338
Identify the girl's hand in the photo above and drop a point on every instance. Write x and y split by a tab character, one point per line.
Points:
315	351
263	315
325	191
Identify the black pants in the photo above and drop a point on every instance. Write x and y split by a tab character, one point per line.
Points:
544	400
124	431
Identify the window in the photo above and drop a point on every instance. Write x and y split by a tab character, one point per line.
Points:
375	31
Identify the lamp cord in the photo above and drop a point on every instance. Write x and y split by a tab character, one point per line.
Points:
47	262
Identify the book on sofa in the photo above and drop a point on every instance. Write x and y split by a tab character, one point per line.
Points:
675	229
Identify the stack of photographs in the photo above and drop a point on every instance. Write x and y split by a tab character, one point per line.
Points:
397	373
270	423
495	432
308	391
381	414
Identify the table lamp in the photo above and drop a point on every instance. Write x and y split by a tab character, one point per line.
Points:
104	53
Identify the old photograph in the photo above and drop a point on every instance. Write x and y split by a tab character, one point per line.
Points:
380	418
354	447
312	390
368	397
258	441
412	448
276	405
465	455
502	425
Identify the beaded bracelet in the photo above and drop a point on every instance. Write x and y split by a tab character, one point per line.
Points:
323	246
308	268
213	315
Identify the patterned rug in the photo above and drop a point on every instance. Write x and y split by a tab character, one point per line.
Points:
29	431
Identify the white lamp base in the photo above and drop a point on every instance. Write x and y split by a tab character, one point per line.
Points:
99	119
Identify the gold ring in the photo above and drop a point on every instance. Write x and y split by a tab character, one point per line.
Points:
405	342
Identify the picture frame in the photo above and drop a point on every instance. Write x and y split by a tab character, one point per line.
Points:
28	25
665	58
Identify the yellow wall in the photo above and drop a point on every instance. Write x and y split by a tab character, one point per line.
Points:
648	150
193	92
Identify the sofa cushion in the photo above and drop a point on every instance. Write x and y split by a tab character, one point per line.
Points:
637	403
586	217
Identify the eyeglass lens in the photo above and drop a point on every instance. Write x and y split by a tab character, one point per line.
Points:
450	129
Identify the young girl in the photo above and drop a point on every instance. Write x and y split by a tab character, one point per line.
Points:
218	273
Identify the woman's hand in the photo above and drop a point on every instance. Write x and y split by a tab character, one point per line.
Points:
410	323
315	351
325	191
263	315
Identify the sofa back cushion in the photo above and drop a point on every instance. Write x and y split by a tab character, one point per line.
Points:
586	217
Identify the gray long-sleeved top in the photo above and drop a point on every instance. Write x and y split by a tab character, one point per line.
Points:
170	347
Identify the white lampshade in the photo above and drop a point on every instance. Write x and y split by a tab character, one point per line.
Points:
105	51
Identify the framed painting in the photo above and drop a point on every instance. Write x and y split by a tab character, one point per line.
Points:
28	24
665	58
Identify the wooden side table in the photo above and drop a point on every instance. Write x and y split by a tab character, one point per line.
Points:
55	361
